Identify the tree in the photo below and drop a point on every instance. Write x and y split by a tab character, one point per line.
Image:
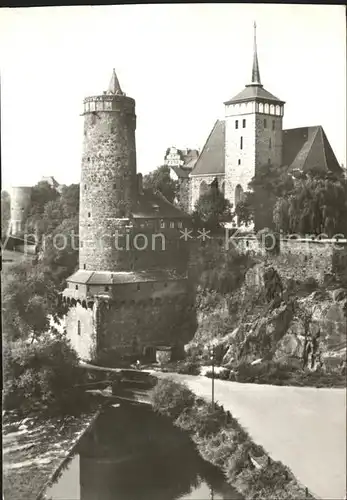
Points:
212	209
42	374
265	188
41	194
316	204
160	180
5	213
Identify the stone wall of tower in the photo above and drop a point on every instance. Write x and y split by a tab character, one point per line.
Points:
20	206
108	179
152	314
252	139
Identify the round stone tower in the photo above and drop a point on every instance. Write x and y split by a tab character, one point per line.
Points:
20	205
108	185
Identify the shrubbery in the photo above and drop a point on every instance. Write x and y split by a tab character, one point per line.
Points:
42	375
223	442
170	398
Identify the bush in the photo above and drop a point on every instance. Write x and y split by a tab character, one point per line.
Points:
171	398
189	368
203	420
42	375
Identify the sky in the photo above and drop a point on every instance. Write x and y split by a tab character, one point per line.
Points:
179	62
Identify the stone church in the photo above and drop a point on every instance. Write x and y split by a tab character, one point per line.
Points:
251	136
131	294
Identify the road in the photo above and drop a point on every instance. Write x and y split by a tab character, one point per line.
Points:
303	427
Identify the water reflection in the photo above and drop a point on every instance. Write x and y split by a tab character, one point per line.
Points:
133	454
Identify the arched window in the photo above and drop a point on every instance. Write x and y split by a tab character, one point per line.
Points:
203	188
272	109
261	107
266	108
277	110
238	194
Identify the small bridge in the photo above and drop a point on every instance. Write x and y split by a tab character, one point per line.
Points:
125	384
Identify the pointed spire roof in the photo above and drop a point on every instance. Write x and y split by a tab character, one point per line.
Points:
255	68
254	91
114	87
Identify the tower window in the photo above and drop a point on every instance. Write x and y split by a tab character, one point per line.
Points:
88	214
76	287
84	266
244	123
241	142
138	287
236	123
273	124
239	162
270	143
265	123
78	327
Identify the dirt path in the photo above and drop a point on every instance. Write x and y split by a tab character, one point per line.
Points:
303	427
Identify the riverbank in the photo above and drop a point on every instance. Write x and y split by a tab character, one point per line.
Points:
222	441
35	448
302	427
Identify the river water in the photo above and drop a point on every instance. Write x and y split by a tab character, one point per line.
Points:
131	453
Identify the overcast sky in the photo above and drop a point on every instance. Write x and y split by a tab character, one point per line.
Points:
179	62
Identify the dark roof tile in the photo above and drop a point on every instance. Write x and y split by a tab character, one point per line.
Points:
254	92
212	157
151	205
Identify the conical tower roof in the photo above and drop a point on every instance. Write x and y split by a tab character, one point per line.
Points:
114	86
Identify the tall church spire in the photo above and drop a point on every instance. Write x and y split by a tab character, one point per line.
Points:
255	69
114	87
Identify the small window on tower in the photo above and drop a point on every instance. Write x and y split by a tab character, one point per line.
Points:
270	143
85	186
239	162
78	328
84	266
265	123
76	287
273	124
172	225
88	214
244	123
241	142
236	123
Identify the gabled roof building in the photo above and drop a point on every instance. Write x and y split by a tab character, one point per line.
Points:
251	136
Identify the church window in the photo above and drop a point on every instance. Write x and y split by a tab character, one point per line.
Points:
273	124
236	123
172	225
244	123
238	194
239	161
270	143
78	327
265	123
241	142
277	110
76	287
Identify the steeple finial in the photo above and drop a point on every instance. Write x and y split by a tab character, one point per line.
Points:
255	69
114	87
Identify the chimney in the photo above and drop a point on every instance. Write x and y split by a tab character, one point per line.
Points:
139	184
